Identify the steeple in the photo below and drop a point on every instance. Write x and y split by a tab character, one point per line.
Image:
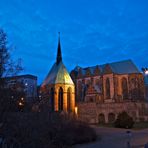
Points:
59	54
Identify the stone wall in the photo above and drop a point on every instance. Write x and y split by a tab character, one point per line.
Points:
146	92
107	112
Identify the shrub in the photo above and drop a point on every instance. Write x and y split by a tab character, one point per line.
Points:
124	121
41	130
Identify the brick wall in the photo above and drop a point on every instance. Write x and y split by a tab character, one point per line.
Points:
89	112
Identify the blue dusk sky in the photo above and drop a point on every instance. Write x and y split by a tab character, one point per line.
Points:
92	32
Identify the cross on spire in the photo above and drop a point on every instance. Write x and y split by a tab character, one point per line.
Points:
59	53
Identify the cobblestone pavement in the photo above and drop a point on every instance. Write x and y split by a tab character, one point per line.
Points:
118	138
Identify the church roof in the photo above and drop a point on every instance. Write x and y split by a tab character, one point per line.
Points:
58	73
121	67
124	67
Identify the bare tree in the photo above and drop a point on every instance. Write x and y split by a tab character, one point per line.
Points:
7	68
7	65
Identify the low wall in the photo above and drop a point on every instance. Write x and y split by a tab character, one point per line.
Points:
107	112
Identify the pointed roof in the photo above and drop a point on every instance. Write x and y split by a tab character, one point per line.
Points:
120	67
59	53
58	73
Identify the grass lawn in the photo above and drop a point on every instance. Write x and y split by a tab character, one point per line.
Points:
137	126
140	125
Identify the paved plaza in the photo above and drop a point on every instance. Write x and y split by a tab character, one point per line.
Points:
118	138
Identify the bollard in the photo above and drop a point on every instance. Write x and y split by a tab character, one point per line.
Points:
129	134
146	145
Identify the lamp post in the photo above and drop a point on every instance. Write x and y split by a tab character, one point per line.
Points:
145	74
145	71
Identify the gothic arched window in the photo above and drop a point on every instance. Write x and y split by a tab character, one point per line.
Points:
107	88
124	88
69	99
79	91
60	99
134	89
52	98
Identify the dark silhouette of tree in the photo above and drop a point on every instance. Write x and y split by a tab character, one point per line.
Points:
124	120
7	65
7	68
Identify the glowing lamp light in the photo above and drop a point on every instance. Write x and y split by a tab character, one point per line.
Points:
20	103
76	110
146	72
22	99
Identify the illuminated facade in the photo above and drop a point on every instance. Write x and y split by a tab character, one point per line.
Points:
58	86
103	91
113	82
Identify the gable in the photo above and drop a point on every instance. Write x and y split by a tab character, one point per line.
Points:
107	69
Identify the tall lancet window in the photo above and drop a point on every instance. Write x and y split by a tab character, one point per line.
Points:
124	88
107	88
60	99
52	98
69	99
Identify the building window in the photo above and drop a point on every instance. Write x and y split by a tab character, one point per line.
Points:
98	85
52	98
107	88
79	91
124	88
69	99
134	89
60	99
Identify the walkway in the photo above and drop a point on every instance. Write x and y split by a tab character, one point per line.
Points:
117	138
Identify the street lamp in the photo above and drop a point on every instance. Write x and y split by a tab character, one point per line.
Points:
22	99
145	71
20	103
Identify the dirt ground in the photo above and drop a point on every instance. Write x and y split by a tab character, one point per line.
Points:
118	138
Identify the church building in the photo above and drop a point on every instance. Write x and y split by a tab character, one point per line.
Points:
112	82
58	87
104	91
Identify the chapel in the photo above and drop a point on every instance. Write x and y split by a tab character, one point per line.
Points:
58	87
